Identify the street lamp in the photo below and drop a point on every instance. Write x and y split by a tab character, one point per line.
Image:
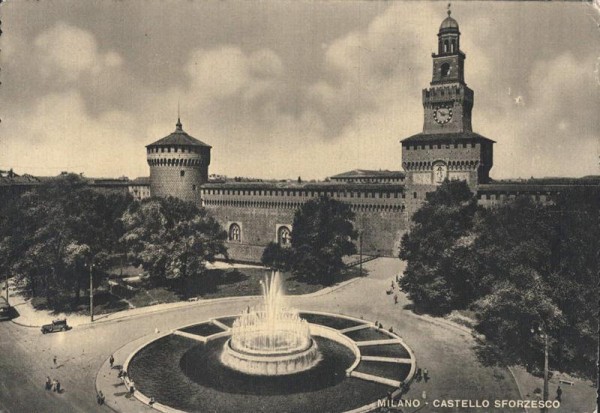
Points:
360	257
91	266
542	332
6	281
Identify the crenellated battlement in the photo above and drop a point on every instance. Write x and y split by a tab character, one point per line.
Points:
455	165
454	92
177	162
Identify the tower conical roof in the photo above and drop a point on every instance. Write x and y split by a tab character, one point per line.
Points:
179	138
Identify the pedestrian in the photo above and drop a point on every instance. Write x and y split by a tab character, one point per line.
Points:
391	330
380	325
418	376
54	360
48	383
100	398
54	382
58	386
425	375
395	298
152	401
559	393
111	360
392	286
376	323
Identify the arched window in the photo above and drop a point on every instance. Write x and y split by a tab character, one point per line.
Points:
284	236
453	46
235	233
446	46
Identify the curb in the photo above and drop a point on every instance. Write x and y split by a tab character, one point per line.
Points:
518	387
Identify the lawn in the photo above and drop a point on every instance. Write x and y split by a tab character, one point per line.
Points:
217	283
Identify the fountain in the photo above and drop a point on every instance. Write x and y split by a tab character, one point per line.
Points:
270	339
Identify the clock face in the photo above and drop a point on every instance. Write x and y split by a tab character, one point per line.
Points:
443	114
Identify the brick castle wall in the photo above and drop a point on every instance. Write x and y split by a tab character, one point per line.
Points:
259	212
168	181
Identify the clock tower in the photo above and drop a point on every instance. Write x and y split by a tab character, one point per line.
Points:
448	101
447	148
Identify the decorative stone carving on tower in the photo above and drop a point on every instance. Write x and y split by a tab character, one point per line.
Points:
447	148
178	165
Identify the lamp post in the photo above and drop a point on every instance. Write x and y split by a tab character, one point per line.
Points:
542	332
91	265
360	262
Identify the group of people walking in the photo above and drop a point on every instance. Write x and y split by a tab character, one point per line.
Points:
52	385
392	290
422	374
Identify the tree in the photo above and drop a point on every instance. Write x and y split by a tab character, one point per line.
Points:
507	316
322	235
550	251
438	276
275	256
172	239
53	229
518	266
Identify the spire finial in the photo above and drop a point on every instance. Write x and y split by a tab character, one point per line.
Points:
178	124
449	11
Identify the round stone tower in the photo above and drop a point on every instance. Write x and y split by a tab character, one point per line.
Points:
178	165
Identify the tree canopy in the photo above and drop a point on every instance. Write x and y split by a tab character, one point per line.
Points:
322	235
171	239
277	257
54	230
519	266
436	249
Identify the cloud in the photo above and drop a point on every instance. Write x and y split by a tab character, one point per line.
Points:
557	128
226	71
369	70
59	134
68	52
316	111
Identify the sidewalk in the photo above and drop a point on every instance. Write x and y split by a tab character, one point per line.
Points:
117	396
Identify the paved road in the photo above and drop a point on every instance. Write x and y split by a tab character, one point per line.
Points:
26	355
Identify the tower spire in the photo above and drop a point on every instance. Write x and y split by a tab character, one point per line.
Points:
178	125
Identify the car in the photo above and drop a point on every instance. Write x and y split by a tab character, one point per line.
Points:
57	325
6	310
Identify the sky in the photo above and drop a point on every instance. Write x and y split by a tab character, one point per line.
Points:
282	89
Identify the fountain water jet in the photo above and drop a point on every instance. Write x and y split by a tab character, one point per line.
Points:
270	339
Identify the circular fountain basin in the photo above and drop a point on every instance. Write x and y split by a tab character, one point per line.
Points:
271	363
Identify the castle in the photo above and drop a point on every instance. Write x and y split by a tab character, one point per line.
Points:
255	213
